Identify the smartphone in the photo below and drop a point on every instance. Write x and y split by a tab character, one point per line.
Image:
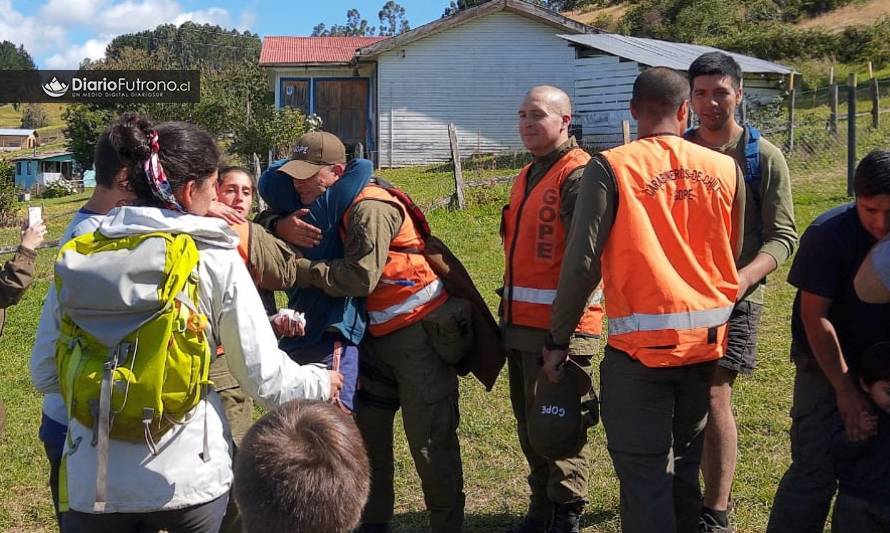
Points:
35	215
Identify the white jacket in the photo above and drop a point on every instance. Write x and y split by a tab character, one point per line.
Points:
44	350
177	477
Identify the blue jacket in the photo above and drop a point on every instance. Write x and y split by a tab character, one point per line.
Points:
323	312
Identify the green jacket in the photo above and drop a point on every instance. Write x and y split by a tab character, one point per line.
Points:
16	277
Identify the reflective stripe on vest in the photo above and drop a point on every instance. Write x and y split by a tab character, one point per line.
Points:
668	267
650	322
543	296
427	294
534	241
409	288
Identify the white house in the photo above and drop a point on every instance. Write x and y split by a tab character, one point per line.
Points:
471	69
607	65
397	95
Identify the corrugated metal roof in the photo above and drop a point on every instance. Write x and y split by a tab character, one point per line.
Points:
15	131
311	50
655	53
45	155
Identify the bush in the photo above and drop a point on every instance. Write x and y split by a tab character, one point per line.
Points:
9	205
59	188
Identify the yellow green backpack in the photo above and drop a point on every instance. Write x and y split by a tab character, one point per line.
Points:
133	356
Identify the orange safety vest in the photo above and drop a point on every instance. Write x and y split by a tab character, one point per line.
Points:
243	231
668	268
534	242
408	289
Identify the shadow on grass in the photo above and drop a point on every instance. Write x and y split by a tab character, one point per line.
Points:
416	522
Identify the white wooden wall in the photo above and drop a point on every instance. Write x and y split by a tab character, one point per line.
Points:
473	75
603	86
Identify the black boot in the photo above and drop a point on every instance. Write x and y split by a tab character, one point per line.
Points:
537	518
567	518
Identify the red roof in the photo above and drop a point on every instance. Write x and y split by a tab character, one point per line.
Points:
312	50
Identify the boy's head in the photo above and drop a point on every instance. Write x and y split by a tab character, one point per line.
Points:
874	374
871	183
302	469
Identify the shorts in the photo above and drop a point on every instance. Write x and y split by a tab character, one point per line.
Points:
322	352
741	353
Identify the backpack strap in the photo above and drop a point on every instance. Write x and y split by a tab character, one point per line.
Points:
752	154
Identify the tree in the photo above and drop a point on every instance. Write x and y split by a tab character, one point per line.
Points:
355	26
83	125
12	58
392	19
34	116
271	129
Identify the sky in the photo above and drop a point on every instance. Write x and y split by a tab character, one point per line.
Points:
60	33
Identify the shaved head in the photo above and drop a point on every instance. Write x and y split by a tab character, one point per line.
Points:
553	98
659	91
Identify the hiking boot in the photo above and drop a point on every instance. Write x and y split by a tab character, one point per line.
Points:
373	528
709	524
567	518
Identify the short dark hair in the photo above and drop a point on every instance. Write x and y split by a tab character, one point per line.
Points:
224	171
659	91
302	469
187	153
873	174
874	365
716	63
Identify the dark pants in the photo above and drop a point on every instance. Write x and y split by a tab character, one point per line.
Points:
551	482
53	434
654	420
401	370
804	495
204	518
855	515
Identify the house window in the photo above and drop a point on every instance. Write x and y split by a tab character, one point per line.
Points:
295	93
18	168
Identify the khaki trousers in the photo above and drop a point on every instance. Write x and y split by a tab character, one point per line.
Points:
401	370
551	482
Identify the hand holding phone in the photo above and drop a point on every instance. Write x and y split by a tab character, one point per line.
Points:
35	215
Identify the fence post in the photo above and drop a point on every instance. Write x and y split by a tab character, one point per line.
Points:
257	171
625	131
851	132
359	152
458	174
791	104
875	98
832	97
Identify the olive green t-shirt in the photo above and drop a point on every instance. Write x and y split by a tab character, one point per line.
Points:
769	207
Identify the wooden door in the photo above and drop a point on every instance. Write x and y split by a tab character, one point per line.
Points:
343	108
295	94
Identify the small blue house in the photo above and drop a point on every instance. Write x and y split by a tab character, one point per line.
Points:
42	169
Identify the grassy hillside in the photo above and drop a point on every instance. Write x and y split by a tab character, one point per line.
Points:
861	13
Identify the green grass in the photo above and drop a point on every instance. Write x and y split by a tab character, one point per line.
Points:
494	468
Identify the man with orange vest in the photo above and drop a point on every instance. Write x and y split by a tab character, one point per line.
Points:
401	364
660	221
533	230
